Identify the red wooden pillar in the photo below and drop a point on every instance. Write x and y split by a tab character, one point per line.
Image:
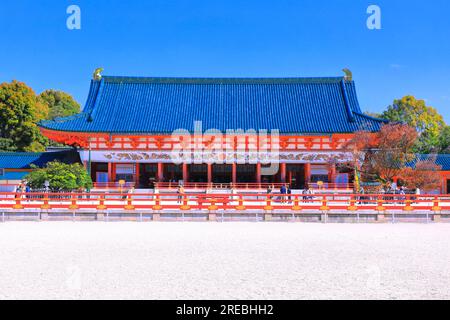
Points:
234	173
283	172
185	173
160	172
113	173
332	173
209	172
258	173
137	175
307	173
110	173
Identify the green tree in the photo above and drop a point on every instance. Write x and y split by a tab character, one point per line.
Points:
61	177
7	145
425	119
60	104
20	110
444	140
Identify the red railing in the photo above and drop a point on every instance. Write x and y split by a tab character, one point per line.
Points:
331	186
240	202
218	186
113	185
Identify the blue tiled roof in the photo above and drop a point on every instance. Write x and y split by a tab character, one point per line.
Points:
23	160
162	105
13	175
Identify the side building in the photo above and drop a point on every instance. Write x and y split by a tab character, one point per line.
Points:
14	166
219	130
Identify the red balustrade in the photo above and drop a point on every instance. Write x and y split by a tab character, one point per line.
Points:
234	202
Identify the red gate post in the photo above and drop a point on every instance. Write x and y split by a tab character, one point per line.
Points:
240	206
185	206
296	206
157	205
101	205
157	208
436	210
381	209
268	208
129	205
408	202
353	204
324	208
18	199
46	204
212	216
73	205
99	214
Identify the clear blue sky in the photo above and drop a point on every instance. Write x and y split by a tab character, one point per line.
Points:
229	38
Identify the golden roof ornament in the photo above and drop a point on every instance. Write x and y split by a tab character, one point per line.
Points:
348	74
97	75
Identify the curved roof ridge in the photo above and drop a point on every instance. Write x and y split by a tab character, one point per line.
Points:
162	105
220	80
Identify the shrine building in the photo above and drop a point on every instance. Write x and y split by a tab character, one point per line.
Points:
235	128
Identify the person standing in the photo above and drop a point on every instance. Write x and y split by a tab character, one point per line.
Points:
305	195
402	195
130	193
310	192
289	192
181	193
361	195
283	192
27	191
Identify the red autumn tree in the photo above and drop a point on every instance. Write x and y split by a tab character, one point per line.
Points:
383	155
424	176
394	150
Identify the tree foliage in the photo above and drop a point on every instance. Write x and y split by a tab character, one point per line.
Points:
382	156
60	176
444	140
425	119
60	104
425	175
394	149
20	110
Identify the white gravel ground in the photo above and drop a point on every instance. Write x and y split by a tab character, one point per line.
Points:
96	260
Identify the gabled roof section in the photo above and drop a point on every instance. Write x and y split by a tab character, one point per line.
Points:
134	105
442	160
24	160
